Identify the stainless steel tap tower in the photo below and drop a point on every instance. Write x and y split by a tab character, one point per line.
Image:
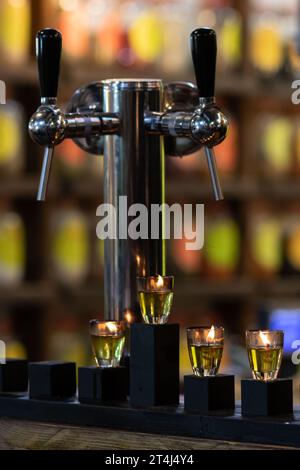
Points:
133	123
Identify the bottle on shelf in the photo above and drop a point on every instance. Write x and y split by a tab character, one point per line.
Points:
109	34
145	34
222	243
12	247
66	340
227	22
275	145
265	239
291	241
14	347
71	20
11	138
15	30
187	262
70	245
272	27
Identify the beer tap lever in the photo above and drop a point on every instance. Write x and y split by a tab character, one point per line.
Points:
204	55
49	126
48	52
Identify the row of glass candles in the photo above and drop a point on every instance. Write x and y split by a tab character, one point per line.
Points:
205	344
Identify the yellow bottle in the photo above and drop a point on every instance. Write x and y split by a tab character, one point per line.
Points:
15	30
12	248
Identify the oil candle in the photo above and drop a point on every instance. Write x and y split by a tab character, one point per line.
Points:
264	348
205	345
108	339
155	297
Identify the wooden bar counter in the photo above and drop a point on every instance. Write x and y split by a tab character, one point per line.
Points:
20	435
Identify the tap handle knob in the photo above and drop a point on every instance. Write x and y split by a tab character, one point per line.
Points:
48	53
204	55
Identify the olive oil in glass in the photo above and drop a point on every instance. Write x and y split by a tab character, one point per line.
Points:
265	362
265	348
155	306
155	298
205	359
108	349
108	340
205	346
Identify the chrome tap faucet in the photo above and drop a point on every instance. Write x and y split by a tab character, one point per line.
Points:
134	123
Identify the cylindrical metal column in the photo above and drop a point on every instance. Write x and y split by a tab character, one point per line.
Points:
133	167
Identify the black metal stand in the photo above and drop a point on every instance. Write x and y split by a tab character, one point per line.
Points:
267	398
96	385
125	362
14	376
52	380
284	431
154	365
208	394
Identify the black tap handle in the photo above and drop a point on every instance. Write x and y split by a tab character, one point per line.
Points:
48	53
204	54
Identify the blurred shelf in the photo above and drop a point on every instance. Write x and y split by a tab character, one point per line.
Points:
18	186
192	289
27	293
74	75
254	86
19	74
239	287
242	188
26	187
289	286
227	83
47	293
187	291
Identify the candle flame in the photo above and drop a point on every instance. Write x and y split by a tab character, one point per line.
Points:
112	327
128	316
156	283
264	339
159	282
211	334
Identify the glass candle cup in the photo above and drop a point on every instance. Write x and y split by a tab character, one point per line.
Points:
155	297
264	348
205	345
108	339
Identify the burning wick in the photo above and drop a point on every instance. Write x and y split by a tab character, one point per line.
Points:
211	335
112	327
264	339
157	284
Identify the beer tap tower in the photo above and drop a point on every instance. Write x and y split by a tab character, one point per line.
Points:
134	123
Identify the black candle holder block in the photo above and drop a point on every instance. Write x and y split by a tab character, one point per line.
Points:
52	380
208	394
154	365
125	361
267	398
14	376
98	385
